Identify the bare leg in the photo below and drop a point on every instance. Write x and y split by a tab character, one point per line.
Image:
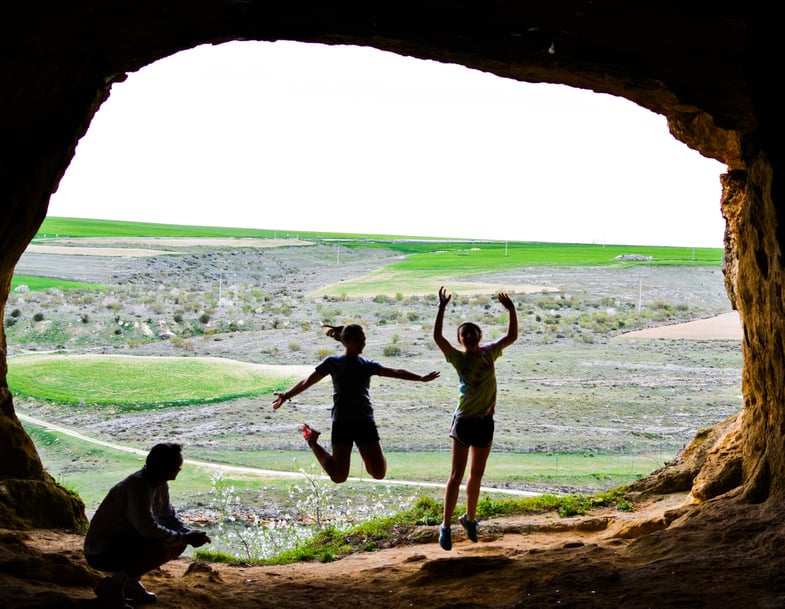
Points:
460	455
336	465
373	457
477	469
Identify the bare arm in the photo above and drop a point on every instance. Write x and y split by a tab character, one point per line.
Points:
400	373
512	326
438	335
301	386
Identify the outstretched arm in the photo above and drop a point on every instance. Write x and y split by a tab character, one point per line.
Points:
400	373
512	326
438	335
301	386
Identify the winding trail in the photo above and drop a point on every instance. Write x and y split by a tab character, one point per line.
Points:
252	470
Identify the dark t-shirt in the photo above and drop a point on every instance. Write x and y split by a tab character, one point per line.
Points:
351	381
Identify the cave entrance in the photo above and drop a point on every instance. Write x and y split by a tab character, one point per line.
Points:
393	161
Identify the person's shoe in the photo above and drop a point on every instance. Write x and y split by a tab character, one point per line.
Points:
136	592
470	526
445	537
110	594
310	435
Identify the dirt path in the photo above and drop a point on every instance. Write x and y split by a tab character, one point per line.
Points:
722	327
263	473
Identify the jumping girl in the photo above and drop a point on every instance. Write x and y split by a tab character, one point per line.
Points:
352	413
472	424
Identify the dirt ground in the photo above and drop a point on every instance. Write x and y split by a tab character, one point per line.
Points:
604	560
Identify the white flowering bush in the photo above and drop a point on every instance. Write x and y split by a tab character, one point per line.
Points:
241	534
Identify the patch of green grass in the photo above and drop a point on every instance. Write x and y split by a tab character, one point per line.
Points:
468	258
39	284
456	263
137	382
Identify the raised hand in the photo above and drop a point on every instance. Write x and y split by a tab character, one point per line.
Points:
444	297
506	301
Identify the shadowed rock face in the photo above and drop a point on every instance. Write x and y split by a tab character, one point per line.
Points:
705	70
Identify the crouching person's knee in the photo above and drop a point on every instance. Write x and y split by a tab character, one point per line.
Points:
175	549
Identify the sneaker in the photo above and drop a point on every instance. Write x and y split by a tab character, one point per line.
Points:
445	537
110	594
309	434
470	526
136	592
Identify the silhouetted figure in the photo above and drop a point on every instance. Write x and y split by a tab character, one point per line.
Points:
136	529
352	413
472	424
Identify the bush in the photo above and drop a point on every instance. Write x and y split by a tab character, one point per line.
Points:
38	317
392	350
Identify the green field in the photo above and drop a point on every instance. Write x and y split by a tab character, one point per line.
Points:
129	382
38	284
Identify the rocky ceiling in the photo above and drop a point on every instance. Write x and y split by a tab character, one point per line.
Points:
706	66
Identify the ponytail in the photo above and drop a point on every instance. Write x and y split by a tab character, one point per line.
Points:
334	331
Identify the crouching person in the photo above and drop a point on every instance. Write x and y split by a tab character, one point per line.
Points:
136	530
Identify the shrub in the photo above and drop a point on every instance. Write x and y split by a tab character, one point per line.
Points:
392	350
204	318
38	317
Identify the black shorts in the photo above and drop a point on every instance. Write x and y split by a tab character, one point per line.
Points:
354	432
475	431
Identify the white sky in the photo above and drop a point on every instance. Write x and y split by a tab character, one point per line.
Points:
297	137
